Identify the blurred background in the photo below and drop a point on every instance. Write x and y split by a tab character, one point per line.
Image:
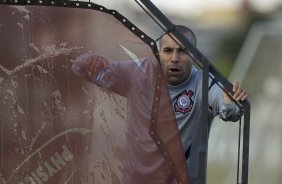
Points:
243	38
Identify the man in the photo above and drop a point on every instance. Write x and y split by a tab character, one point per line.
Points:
184	84
185	88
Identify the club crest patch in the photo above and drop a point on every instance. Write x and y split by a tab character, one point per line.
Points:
184	102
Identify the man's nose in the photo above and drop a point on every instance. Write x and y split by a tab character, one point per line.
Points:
175	57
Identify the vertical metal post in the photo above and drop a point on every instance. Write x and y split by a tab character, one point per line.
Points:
202	174
246	140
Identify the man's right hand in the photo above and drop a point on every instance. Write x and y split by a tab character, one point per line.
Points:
89	65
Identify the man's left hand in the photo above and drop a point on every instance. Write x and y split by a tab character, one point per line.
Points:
239	94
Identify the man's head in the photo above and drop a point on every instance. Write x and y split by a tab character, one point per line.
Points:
175	62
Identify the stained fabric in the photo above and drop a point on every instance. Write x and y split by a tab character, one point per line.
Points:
57	127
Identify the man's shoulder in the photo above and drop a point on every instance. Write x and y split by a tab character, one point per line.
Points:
196	74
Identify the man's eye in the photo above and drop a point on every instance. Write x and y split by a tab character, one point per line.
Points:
167	50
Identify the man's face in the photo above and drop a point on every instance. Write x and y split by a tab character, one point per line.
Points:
175	62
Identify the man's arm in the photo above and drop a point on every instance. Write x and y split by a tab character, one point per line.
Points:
230	111
88	66
223	105
97	69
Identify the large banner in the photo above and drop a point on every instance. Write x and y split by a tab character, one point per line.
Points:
59	128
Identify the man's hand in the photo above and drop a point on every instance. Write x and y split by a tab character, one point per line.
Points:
89	65
239	94
95	64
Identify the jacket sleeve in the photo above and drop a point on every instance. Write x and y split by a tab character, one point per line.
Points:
113	77
229	112
226	111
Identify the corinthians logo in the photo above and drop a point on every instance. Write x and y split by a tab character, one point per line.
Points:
184	102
